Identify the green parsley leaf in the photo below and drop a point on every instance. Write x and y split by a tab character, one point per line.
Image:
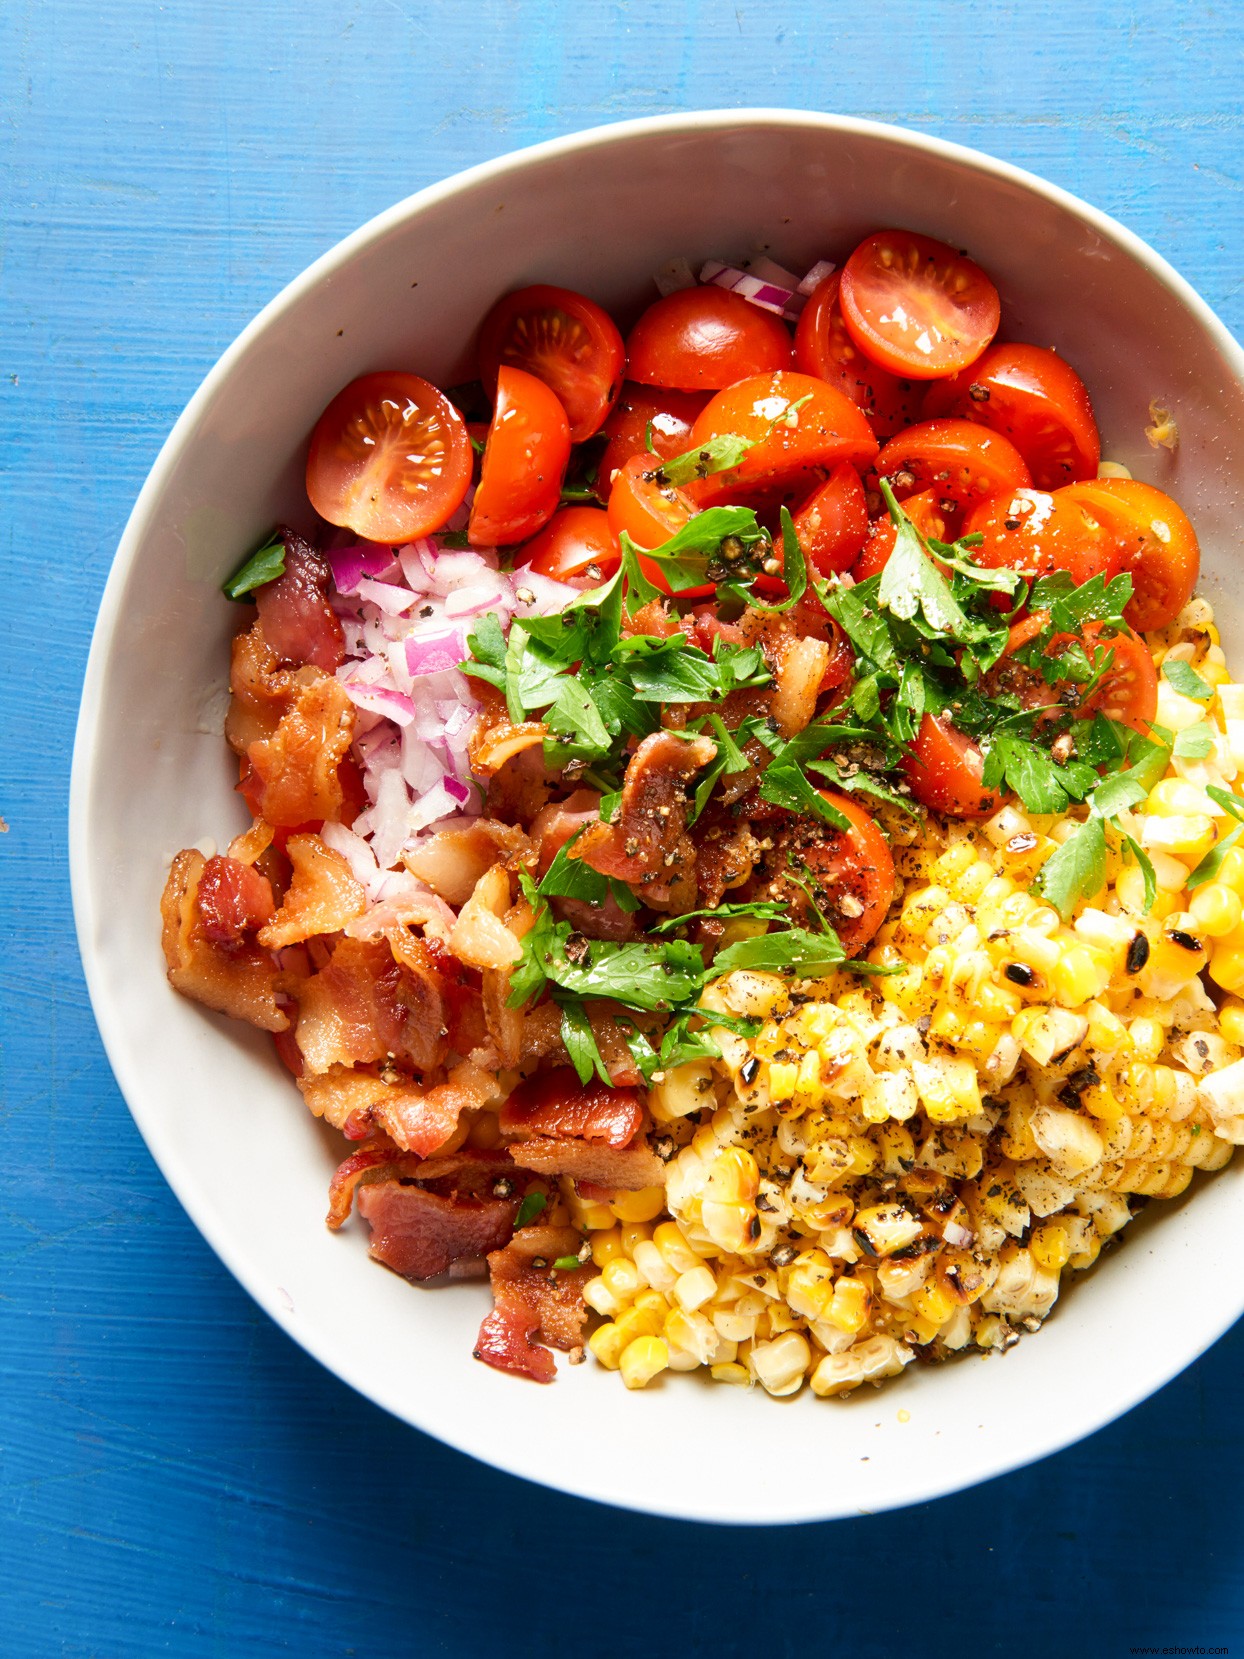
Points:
264	565
567	1264
574	716
529	1209
1225	799
1041	784
643	976
1210	865
717	455
1076	869
1194	742
806	954
1186	681
579	1041
911	584
768	910
1117	793
669	670
646	1059
571	878
1136	851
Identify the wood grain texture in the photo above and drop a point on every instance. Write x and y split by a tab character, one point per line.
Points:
175	1476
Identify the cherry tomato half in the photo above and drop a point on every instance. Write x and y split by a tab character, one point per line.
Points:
790	447
1127	692
565	340
577	541
917	307
962	462
389	459
832	524
824	347
650	512
703	338
524	462
1153	542
1036	532
1031	396
851	871
944	769
671	415
925	512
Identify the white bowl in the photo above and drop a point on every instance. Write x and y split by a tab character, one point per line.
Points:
600	211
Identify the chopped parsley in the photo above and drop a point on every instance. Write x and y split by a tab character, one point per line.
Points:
264	565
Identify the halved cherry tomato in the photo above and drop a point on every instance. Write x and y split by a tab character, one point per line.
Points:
824	347
851	870
703	338
832	524
565	340
1152	541
944	769
790	447
1031	396
650	512
671	416
389	459
1036	531
916	306
524	462
925	512
1128	690
575	541
963	463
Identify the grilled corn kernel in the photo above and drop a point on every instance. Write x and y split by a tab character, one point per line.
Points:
1050	1244
605	1246
733	1177
622	1279
607	1342
694	1287
849	1308
933	1304
642	1360
781	1365
644	1205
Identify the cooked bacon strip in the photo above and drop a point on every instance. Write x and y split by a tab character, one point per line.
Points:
480	937
298	622
556	1103
452	861
420	1234
296	769
642	841
414	1118
321	898
233	900
533	1300
629	1168
378	1158
726	854
262	690
237	978
364	1006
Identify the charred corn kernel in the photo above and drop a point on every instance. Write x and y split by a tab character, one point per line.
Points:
1050	1244
607	1342
898	1149
732	1227
622	1279
1216	909
599	1297
781	1365
644	1205
888	1227
933	1304
642	1360
849	1308
1079	975
653	1267
694	1287
671	1241
733	1177
783	1076
734	1373
605	1246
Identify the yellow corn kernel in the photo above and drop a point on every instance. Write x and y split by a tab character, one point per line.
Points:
653	1266
599	1297
732	1227
921	910
1106	1031
849	1308
1231	870
949	1087
732	1372
1050	1245
633	1233
782	1079
810	1284
898	1149
638	1321
1087	1254
1226	968
932	1303
1147	1038
695	1287
1216	909
644	1205
998	1002
781	1365
953	862
1231	1022
733	1177
642	1360
863	1155
1079	975
607	1342
605	1246
1174	798
622	1279
808	1090
1214	673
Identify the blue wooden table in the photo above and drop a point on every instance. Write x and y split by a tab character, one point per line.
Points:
176	1476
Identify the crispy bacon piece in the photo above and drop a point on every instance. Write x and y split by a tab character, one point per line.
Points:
233	900
296	769
298	621
551	828
556	1103
321	898
480	937
642	842
627	1168
416	1119
236	978
378	1158
534	1301
261	690
452	861
364	1005
420	1234
726	855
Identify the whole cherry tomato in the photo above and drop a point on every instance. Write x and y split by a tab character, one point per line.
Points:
703	338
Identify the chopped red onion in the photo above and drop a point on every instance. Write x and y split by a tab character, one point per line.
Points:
364	558
769	296
394	705
434	654
816	275
673	276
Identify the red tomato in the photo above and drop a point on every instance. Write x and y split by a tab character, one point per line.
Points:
789	449
1037	532
703	338
524	462
824	347
390	459
671	414
650	512
1032	397
832	524
962	462
924	511
1129	688
1152	540
916	306
577	541
852	872
944	769
566	341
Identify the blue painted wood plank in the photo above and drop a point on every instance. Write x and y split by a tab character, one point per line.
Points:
176	1477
